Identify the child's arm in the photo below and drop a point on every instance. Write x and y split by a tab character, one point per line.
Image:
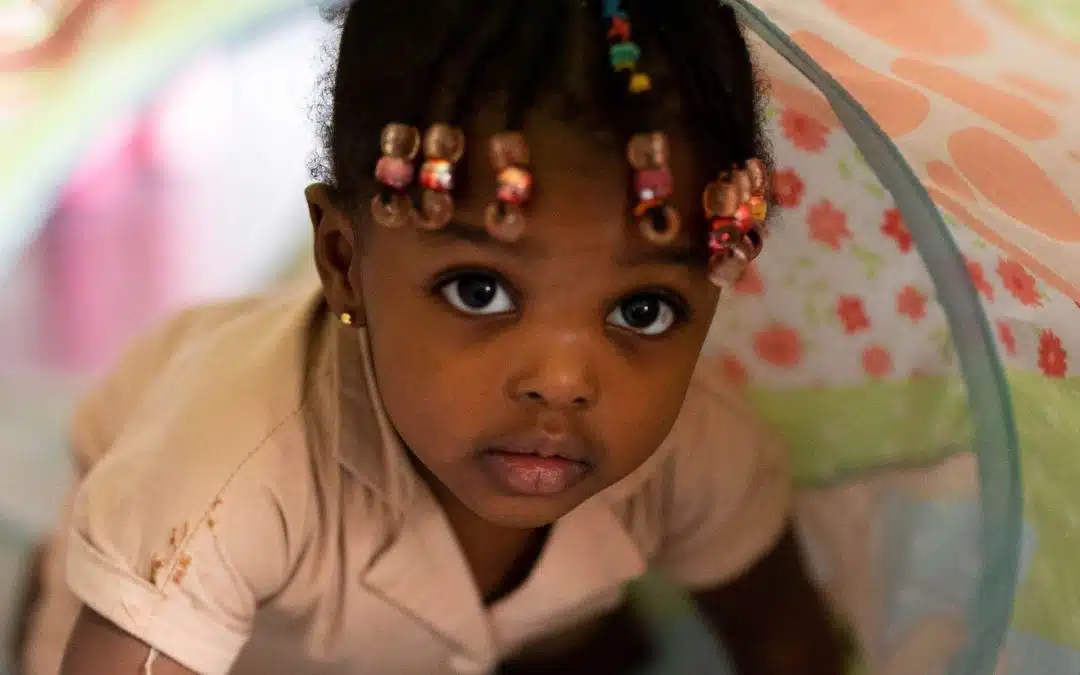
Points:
176	537
97	647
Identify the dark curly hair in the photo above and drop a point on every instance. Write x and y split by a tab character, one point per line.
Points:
426	61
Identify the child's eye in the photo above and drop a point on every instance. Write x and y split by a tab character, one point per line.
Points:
478	294
647	314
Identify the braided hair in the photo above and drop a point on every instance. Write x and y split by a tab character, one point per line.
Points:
419	62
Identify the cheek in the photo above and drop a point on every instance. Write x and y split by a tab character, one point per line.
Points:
646	395
433	376
641	408
436	395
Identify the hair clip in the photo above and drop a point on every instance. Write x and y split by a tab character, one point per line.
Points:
653	186
399	143
505	217
736	206
444	146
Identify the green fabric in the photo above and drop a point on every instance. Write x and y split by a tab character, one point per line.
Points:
1060	17
921	421
877	424
1048	415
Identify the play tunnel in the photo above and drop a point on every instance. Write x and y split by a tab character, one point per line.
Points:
912	329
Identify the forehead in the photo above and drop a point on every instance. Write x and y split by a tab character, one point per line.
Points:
559	147
581	185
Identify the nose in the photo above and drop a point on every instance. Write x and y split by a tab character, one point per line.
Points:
562	379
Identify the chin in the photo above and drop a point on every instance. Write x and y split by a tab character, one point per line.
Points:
523	513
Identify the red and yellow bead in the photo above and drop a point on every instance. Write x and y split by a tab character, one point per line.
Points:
759	208
514	185
437	175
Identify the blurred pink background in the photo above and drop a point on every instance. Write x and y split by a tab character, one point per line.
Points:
196	195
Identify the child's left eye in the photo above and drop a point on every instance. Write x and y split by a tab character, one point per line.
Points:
647	314
477	294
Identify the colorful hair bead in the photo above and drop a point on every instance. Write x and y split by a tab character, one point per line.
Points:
759	182
727	267
394	172
514	186
620	29
623	51
505	218
624	55
647	152
437	175
735	203
640	83
737	208
758	174
444	146
399	143
654	185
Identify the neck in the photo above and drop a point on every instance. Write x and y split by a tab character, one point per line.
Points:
499	557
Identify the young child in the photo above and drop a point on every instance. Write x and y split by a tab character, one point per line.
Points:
452	454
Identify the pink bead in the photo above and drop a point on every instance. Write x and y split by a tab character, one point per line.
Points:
744	216
514	185
653	184
394	172
723	238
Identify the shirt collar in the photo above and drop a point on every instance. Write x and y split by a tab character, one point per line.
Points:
360	432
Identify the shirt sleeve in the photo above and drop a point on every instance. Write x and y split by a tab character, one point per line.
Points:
96	422
184	525
729	491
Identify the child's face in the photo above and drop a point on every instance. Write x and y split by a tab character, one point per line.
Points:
578	340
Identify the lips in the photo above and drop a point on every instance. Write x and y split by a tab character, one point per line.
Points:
567	447
537	465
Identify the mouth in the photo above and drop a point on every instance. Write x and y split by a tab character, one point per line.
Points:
537	466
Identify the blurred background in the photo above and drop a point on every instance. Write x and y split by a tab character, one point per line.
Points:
153	155
116	212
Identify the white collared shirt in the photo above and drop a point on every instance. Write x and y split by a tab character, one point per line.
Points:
249	509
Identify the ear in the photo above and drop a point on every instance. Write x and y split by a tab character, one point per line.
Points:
336	253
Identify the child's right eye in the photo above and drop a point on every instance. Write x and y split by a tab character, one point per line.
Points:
477	294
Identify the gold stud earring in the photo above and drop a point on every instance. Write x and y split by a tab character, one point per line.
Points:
346	318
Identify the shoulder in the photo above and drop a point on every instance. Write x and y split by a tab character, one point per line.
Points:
718	492
210	350
204	411
717	443
720	443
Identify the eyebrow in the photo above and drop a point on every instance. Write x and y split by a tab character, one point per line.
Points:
456	231
684	256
